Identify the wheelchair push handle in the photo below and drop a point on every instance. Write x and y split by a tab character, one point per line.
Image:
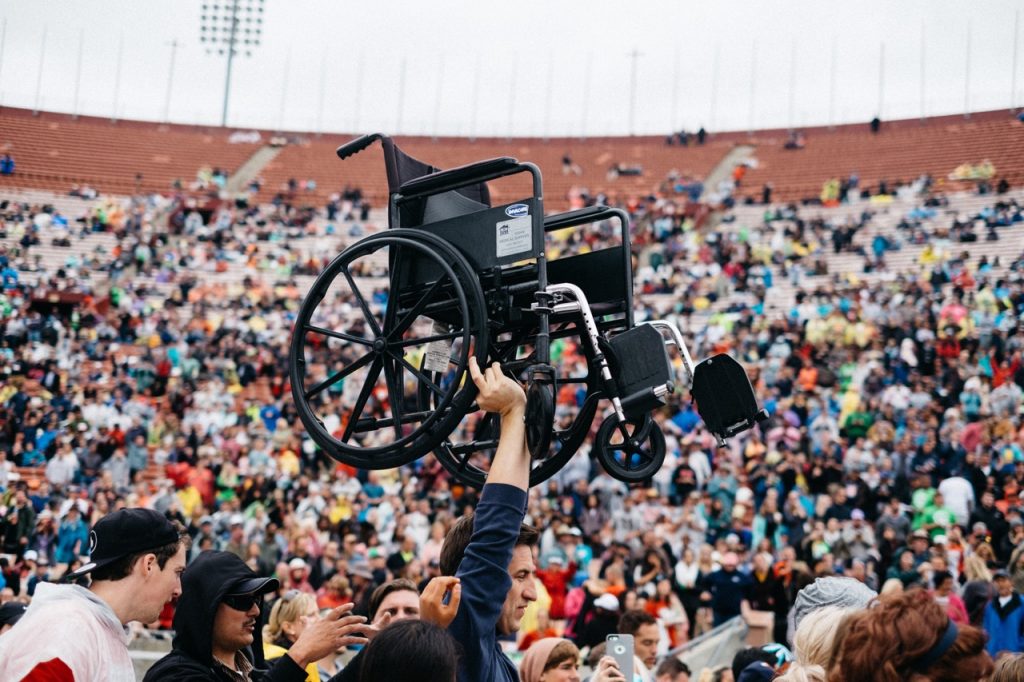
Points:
357	145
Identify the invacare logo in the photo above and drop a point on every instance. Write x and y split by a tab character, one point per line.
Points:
517	210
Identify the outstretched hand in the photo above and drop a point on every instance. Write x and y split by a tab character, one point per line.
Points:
432	606
496	392
336	630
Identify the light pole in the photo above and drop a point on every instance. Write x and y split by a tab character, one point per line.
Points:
170	80
230	28
632	90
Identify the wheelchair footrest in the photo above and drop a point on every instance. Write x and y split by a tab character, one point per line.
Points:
644	374
724	396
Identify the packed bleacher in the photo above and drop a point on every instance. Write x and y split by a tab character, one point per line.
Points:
143	346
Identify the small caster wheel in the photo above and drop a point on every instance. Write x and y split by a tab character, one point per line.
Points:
632	451
540	411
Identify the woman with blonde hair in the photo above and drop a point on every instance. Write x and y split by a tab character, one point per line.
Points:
977	591
1009	669
816	643
288	619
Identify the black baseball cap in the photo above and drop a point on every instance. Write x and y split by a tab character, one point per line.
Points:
125	532
255	585
11	612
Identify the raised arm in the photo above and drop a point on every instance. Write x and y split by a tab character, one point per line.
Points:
498	393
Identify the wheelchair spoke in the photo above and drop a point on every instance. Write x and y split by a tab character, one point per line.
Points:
331	380
391	312
407	418
364	395
450	336
419	375
370	319
396	393
414	312
339	335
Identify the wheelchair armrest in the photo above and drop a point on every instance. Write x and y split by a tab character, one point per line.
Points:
357	145
583	216
453	178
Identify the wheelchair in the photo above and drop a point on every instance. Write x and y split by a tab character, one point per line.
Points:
379	353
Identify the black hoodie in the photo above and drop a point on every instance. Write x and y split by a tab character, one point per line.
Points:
204	583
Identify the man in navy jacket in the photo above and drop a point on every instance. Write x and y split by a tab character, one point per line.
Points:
1004	618
491	551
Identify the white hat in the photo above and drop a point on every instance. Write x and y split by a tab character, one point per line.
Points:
297	562
607	602
31	555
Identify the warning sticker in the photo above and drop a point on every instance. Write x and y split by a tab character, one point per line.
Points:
438	352
515	236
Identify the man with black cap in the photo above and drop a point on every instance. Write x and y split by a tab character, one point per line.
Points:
217	624
71	633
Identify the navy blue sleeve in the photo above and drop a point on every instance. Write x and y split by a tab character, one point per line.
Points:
483	573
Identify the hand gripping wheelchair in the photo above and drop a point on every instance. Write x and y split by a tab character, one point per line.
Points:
380	350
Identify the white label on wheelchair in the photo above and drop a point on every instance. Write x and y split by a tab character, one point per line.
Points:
514	236
436	357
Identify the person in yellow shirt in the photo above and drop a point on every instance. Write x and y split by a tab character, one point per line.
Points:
289	617
190	499
288	463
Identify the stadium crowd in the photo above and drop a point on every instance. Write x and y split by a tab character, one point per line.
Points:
893	456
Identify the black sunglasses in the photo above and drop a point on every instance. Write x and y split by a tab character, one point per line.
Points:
242	602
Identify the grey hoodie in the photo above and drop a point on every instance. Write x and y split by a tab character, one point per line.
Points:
69	632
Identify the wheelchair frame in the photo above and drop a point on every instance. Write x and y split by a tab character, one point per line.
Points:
469	282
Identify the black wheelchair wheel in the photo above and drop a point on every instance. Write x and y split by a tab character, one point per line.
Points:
355	359
632	451
467	453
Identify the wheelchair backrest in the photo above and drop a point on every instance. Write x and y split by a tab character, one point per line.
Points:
402	168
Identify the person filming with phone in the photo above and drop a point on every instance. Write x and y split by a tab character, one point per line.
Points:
554	659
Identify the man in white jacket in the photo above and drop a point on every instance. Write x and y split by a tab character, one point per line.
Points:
73	634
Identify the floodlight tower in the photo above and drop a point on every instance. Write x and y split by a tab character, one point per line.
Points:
231	27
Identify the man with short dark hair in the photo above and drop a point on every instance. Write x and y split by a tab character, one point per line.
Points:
217	623
398	600
744	658
646	637
672	670
136	560
394	601
491	552
391	602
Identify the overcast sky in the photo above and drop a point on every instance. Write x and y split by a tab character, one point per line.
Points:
529	67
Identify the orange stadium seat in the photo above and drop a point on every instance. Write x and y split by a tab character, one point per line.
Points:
55	151
900	152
